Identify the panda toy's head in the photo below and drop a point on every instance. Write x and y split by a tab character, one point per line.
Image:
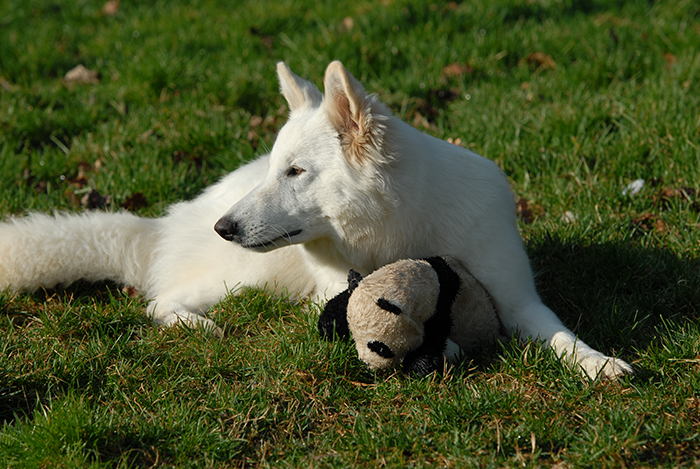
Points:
387	311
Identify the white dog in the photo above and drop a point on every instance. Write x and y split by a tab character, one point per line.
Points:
347	185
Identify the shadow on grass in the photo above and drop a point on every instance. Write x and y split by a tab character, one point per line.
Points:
615	295
540	12
18	402
67	315
622	299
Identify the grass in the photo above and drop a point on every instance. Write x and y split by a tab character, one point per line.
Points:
574	99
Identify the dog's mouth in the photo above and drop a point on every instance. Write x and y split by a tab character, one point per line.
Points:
273	243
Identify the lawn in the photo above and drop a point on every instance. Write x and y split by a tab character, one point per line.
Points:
574	99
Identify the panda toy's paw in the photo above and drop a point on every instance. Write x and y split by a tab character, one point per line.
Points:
423	365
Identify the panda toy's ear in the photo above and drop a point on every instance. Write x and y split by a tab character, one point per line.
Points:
354	278
335	315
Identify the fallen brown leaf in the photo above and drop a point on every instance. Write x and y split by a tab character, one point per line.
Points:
134	202
420	121
80	180
94	199
31	180
444	95
670	59
456	70
347	23
539	60
195	156
131	292
81	75
650	222
111	7
665	195
527	211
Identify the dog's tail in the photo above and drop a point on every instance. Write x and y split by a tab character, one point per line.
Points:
43	250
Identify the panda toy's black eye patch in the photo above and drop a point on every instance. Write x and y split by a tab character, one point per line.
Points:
380	349
387	305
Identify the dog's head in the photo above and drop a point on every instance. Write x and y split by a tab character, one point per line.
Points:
327	167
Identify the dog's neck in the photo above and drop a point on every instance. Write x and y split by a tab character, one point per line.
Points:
367	239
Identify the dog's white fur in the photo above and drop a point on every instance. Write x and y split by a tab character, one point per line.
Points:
347	185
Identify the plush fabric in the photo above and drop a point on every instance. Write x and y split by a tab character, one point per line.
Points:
405	313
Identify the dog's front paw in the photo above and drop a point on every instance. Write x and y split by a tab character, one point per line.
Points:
189	319
599	366
205	324
171	313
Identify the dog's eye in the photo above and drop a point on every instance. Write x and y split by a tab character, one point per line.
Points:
294	171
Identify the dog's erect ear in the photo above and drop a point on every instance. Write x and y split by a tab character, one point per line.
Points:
345	96
298	92
352	113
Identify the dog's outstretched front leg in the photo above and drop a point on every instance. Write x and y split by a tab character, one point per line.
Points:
506	274
593	363
536	321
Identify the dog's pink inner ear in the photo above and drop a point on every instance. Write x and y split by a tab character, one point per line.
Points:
343	118
298	92
346	106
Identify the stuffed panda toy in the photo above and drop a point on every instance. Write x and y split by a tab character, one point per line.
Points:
414	312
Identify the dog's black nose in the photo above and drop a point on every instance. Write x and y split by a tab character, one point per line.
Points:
226	228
